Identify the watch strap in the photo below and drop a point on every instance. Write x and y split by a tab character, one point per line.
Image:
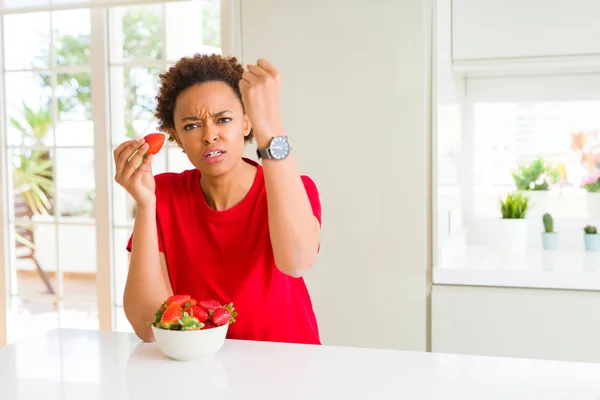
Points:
265	154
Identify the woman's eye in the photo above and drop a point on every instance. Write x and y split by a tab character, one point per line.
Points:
190	126
225	119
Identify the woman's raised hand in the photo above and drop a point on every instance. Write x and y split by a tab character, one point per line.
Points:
134	171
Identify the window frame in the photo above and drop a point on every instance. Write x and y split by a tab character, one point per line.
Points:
99	68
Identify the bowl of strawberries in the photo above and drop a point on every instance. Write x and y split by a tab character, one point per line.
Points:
186	329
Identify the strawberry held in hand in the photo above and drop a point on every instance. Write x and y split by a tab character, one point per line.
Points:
155	142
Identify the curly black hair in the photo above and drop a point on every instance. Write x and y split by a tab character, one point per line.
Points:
190	71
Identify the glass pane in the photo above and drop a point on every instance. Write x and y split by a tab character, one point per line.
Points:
77	257
79	315
73	93
159	162
26	40
136	33
75	180
133	93
185	36
32	318
178	161
121	237
34	260
123	206
29	109
75	133
72	37
33	183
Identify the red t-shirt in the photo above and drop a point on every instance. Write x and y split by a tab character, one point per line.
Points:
227	255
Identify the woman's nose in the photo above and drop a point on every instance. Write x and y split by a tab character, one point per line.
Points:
210	135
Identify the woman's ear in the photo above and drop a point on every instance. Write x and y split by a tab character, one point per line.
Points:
247	125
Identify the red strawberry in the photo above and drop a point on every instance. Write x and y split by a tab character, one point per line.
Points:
209	305
221	316
182	300
224	315
155	142
171	316
197	312
208	325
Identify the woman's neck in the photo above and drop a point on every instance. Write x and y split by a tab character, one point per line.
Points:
226	191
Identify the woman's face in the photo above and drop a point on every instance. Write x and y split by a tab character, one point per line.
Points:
210	126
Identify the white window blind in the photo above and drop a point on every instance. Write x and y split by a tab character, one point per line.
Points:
28	6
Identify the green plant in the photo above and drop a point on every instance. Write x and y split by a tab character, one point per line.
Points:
515	206
32	177
590	230
548	223
536	175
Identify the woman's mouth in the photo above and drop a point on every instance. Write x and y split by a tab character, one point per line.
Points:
213	156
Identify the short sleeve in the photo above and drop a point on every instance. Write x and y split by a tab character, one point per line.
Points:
161	245
313	196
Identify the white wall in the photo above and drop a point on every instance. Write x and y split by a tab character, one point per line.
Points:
356	101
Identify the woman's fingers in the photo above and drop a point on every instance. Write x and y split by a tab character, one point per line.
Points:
123	147
143	167
133	163
123	157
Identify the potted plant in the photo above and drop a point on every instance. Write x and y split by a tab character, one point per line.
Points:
591	238
591	183
513	229
537	178
549	237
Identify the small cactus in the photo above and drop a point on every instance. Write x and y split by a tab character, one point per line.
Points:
548	223
590	230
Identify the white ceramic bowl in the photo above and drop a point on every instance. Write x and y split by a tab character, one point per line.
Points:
190	345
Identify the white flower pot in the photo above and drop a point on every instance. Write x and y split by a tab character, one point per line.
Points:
594	205
511	234
539	203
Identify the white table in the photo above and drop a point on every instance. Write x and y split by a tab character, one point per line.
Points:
77	364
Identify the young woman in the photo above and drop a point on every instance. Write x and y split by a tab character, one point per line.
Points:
230	229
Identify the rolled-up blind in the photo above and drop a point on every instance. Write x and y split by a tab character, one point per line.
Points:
22	6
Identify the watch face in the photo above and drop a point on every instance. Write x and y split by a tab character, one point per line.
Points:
279	147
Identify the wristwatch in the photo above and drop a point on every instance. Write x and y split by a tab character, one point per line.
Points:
278	149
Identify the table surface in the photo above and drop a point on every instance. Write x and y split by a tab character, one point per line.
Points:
78	364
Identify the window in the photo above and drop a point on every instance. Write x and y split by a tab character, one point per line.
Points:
539	135
50	147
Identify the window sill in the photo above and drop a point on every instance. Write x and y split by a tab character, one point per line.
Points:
571	269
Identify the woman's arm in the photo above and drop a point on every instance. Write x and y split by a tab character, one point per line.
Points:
294	229
148	282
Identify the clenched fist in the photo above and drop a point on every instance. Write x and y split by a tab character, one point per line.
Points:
260	87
